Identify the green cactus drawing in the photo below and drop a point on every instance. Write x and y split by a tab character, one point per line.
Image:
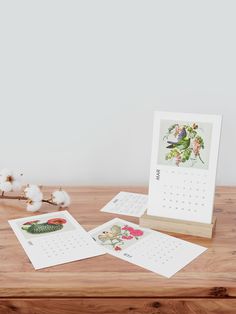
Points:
51	225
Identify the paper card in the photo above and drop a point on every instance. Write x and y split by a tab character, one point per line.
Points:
183	166
53	239
126	203
152	250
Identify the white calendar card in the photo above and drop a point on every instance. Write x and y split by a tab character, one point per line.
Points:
152	250
126	203
183	166
53	239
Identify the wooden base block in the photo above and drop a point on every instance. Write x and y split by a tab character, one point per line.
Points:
178	226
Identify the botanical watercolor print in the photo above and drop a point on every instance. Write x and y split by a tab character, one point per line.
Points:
51	225
40	227
119	237
187	144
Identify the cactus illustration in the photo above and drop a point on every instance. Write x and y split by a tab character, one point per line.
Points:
51	225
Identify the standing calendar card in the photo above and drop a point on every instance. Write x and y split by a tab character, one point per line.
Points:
152	250
55	238
183	166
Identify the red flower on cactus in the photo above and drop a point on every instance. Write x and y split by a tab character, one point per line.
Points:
31	222
56	221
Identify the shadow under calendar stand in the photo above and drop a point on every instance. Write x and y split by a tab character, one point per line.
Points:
178	226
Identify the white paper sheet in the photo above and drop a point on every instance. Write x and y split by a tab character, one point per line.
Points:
183	166
54	238
152	250
126	203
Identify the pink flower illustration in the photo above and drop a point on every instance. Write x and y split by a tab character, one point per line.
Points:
178	159
117	248
130	229
178	129
196	147
136	233
127	237
132	232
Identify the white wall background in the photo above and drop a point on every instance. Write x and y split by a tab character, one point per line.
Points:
79	81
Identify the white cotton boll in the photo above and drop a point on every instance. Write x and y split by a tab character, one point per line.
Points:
34	206
5	186
61	198
4	173
58	197
34	193
67	199
37	197
11	181
16	185
31	190
17	176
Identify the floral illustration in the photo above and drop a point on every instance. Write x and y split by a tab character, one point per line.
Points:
117	236
186	143
51	225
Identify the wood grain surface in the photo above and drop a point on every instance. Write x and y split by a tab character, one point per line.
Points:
106	284
118	306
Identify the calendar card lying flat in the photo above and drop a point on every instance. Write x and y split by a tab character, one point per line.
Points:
155	251
55	238
183	166
126	203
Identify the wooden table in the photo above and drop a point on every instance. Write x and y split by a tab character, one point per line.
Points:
106	284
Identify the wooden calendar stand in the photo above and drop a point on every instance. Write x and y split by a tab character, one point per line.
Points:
178	226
